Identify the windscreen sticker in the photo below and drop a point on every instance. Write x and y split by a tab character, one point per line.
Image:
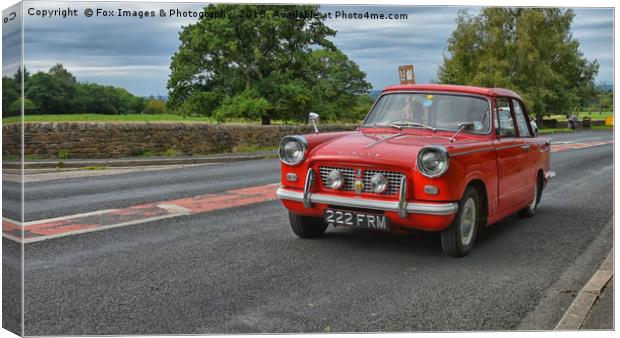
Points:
428	103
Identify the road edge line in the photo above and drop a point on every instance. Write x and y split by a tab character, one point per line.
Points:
586	298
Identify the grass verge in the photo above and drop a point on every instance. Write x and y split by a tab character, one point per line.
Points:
554	131
593	116
602	127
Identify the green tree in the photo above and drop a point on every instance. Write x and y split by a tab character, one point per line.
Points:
249	104
285	66
93	98
51	94
529	50
58	92
18	75
29	107
61	72
11	92
154	106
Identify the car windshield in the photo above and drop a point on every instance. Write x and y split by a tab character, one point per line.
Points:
431	111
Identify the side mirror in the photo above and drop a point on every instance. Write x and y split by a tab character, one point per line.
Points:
462	126
314	117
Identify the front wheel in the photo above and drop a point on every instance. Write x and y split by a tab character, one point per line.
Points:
307	227
459	238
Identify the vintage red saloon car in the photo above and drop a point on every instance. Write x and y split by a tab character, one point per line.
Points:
427	157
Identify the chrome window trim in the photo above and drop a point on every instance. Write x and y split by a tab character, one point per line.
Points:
440	209
528	126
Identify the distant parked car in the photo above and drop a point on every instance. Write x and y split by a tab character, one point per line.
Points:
428	157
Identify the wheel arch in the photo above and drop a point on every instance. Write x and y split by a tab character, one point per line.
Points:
480	186
540	183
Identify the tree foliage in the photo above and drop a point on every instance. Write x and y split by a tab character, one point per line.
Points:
58	92
267	66
11	92
529	50
153	105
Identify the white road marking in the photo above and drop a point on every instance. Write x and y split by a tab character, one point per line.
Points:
12	238
174	209
81	231
563	142
19	224
63	218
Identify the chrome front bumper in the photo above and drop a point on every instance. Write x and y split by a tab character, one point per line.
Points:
366	203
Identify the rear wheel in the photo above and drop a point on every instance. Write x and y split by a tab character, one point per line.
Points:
307	227
530	210
459	238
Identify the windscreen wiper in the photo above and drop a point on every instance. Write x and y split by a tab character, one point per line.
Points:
385	139
391	125
414	124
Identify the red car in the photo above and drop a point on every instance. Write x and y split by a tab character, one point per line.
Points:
427	157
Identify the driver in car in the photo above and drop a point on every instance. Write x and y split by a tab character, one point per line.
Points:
413	110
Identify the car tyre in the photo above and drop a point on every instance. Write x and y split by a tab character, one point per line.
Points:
458	239
530	210
307	227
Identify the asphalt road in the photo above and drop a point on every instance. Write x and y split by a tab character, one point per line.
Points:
242	270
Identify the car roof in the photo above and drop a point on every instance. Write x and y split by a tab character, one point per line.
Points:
454	88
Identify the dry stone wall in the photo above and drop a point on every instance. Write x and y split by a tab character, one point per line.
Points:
106	140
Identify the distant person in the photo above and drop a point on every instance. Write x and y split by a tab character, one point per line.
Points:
572	121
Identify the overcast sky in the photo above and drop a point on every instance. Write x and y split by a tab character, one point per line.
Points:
135	53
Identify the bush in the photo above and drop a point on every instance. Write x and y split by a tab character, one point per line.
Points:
154	106
248	105
16	107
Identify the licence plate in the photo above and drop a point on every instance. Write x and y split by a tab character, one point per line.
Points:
356	219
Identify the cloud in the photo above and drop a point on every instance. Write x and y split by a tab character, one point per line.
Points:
593	28
11	42
379	47
135	53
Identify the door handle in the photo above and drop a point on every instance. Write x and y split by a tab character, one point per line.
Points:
526	147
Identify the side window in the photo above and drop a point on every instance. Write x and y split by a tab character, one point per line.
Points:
503	119
524	131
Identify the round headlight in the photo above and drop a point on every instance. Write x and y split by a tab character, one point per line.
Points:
292	149
334	179
433	161
378	183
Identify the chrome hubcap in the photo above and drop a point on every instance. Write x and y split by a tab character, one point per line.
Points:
468	221
533	204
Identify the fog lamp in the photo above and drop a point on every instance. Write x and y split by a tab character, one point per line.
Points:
378	183
335	180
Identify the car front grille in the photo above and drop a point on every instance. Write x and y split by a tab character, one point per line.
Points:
393	178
